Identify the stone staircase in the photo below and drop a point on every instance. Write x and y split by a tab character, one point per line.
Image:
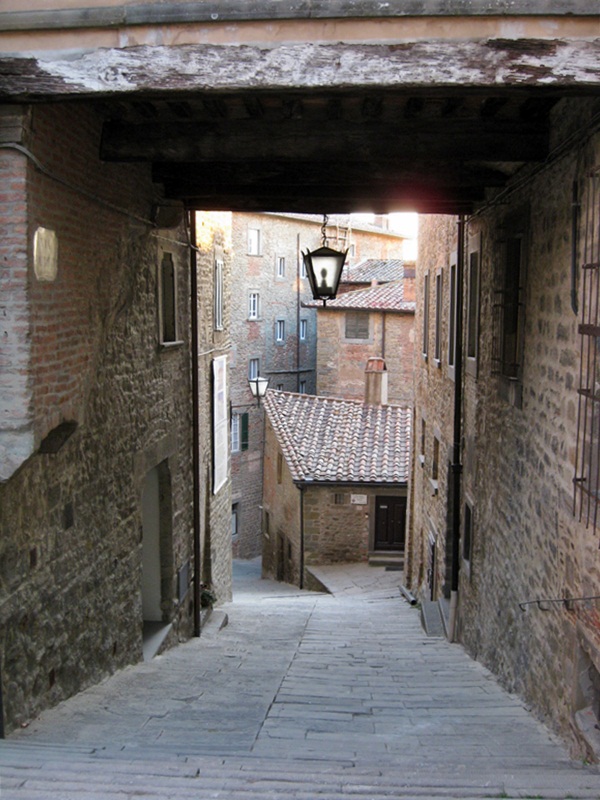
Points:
52	772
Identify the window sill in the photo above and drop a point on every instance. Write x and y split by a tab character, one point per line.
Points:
421	459
434	487
437	362
163	346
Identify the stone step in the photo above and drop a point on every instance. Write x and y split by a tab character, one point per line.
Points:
391	559
29	773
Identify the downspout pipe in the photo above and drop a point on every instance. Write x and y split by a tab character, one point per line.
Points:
456	467
301	582
195	421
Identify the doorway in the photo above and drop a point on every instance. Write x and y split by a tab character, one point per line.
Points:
156	558
390	523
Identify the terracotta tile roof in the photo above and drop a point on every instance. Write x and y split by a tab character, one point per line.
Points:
373	269
388	297
328	439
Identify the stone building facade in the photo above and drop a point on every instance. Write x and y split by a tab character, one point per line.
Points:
274	332
525	540
335	482
96	503
360	325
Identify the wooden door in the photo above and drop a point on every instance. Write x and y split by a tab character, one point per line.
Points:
390	523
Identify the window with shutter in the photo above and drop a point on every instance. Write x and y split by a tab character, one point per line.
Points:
357	325
244	432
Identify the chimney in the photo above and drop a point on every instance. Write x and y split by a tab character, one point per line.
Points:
376	382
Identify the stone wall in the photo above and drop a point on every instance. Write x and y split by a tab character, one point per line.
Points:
213	238
281	515
71	516
519	445
341	363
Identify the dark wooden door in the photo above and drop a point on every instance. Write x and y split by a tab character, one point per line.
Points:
390	523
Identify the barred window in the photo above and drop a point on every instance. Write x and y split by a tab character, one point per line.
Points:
509	312
587	458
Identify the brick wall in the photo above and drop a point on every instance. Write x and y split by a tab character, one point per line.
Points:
71	521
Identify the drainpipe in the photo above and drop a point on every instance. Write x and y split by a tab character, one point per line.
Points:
195	420
456	467
383	318
2	735
298	257
301	537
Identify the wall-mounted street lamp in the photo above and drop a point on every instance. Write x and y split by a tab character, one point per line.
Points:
324	268
258	387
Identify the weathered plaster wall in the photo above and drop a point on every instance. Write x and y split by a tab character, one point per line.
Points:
70	522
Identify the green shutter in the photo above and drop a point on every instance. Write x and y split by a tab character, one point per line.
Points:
244	434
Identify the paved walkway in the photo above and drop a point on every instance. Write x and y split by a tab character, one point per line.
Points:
302	695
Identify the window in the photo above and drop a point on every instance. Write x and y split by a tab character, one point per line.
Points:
280	330
437	350
234	521
235	433
280	387
435	466
218	290
167	289
586	480
253	305
508	311
452	311
239	432
467	532
357	325
281	266
302	387
253	368
341	499
279	467
426	315
423	442
220	423
473	313
253	242
303	329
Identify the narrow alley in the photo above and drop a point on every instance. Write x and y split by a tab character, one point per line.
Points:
300	695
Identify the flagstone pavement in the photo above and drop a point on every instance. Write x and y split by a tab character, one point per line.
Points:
302	695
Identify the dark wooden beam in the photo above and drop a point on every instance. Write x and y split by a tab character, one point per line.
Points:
312	204
454	139
263	175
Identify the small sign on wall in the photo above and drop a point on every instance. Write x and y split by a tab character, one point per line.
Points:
358	499
45	254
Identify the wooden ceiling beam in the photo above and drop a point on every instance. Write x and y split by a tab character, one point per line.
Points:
454	139
267	175
303	204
